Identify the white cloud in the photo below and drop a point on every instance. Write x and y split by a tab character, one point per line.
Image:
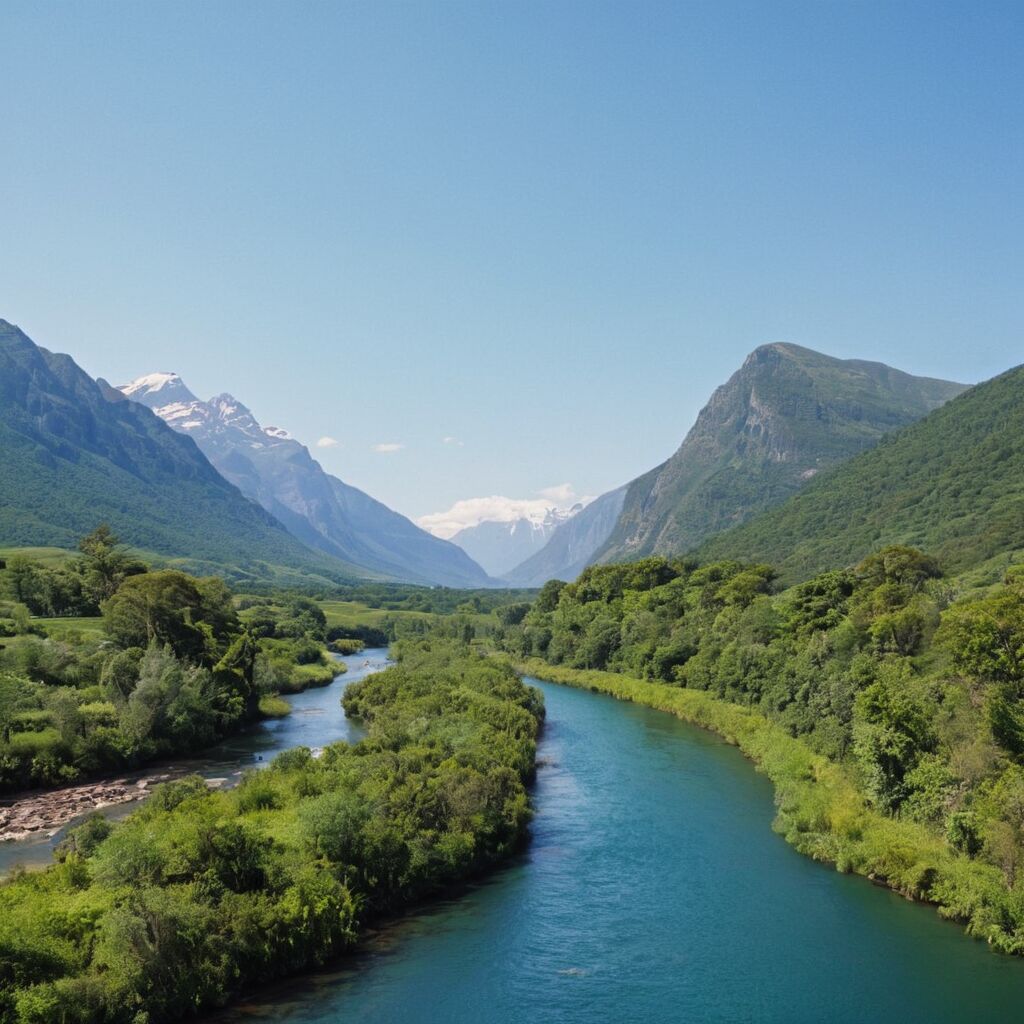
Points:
498	509
386	447
452	441
328	442
561	494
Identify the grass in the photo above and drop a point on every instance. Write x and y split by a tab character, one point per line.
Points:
81	624
53	558
822	813
352	614
303	677
273	706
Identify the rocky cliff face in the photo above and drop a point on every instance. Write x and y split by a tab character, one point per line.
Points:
784	416
268	465
951	484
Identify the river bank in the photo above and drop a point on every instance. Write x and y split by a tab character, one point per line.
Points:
32	823
654	889
821	812
279	875
47	811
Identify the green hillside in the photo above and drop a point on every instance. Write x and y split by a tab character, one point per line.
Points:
951	484
74	453
785	416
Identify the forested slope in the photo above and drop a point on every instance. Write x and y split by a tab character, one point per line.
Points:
951	484
74	452
785	416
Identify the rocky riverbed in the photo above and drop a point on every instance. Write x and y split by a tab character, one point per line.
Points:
49	811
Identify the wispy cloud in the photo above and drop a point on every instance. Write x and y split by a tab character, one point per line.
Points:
497	508
328	442
454	441
560	494
387	447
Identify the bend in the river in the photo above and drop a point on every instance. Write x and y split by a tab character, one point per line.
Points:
655	890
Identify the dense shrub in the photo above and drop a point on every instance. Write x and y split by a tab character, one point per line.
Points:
200	894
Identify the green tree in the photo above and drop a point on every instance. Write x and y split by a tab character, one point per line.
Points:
1004	833
891	732
161	608
105	564
986	637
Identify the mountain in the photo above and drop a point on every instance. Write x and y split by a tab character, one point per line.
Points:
74	453
785	416
500	546
951	484
572	545
268	465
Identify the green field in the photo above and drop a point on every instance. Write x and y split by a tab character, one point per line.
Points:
51	557
351	614
82	623
355	613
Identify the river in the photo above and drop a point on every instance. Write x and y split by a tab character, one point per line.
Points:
654	890
316	719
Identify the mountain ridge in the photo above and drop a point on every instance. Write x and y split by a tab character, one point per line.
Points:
784	416
951	484
573	543
500	545
277	471
73	455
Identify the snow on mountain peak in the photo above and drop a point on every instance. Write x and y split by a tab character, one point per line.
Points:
151	383
516	513
223	415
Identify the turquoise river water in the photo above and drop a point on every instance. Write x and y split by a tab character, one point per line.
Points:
654	890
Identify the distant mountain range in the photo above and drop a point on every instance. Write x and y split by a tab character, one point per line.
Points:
500	546
571	545
951	484
268	465
785	416
799	459
75	452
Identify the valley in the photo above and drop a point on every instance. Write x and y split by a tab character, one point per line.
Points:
512	513
866	681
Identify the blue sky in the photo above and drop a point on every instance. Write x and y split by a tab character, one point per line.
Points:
545	230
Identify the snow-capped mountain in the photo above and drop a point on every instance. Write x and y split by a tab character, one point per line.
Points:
268	465
572	545
501	545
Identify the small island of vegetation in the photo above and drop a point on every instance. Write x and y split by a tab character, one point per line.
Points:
200	894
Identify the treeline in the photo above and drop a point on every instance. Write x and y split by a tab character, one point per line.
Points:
915	690
293	635
201	894
398	597
171	670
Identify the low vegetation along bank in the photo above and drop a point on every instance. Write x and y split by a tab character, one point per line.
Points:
884	702
820	811
199	895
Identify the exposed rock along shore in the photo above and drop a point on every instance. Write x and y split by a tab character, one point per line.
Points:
51	810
